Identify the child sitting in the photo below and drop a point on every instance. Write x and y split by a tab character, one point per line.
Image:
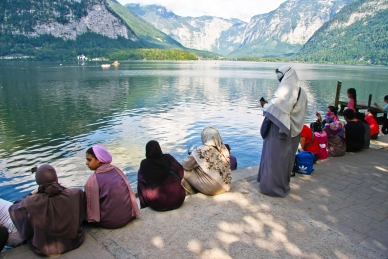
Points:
322	138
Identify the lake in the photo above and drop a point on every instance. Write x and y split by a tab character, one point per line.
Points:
52	112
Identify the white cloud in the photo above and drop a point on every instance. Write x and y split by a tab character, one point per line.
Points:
241	9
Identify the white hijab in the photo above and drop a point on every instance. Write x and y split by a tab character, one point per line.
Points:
289	111
211	137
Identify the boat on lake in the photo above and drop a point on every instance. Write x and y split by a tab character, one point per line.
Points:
105	65
116	63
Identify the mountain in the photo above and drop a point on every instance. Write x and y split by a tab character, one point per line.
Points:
65	19
46	28
147	33
285	30
203	33
358	34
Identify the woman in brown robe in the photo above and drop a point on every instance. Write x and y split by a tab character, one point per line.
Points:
50	220
159	180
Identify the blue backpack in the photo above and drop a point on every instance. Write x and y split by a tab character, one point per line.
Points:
304	162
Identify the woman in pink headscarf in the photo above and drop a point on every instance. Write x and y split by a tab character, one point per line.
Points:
111	202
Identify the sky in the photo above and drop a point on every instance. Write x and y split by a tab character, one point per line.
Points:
241	9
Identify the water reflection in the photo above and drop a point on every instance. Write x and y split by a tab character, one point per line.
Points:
52	113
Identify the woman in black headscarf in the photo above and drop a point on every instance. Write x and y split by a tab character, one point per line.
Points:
159	180
51	219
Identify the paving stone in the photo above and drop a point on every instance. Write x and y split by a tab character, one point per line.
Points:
381	195
334	207
366	190
379	208
375	215
339	194
376	200
355	225
345	211
358	208
356	236
359	217
340	228
379	236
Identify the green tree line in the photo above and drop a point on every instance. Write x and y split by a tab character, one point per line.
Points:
151	54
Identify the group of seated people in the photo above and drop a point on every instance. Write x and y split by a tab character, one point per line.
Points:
331	137
108	200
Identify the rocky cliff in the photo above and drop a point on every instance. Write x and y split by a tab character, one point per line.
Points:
65	19
285	30
204	33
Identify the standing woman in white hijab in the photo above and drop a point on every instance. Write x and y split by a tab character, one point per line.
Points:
284	118
207	168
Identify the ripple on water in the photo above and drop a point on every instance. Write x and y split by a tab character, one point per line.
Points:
57	113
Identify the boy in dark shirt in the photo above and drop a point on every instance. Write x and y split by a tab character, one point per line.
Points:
354	132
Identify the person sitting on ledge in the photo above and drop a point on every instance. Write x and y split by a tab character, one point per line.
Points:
335	134
207	168
111	202
263	102
384	129
51	217
14	238
374	126
308	142
354	132
233	159
159	180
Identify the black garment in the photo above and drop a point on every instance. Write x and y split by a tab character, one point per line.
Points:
3	237
367	136
384	129
156	167
355	133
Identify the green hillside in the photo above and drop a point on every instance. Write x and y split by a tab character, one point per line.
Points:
358	34
265	48
147	33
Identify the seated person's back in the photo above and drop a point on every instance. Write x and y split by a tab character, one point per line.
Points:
159	180
354	132
374	126
207	168
233	159
111	202
322	139
50	219
308	142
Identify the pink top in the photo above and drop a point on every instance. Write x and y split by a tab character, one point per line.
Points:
351	105
323	144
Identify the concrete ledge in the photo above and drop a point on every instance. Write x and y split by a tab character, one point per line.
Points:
340	211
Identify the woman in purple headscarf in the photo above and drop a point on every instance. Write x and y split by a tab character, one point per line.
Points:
159	180
111	202
51	218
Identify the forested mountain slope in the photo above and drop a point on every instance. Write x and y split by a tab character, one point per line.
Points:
358	34
147	33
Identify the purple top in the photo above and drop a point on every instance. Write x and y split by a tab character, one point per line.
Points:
233	163
168	195
115	202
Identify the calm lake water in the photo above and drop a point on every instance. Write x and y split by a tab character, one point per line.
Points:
51	113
